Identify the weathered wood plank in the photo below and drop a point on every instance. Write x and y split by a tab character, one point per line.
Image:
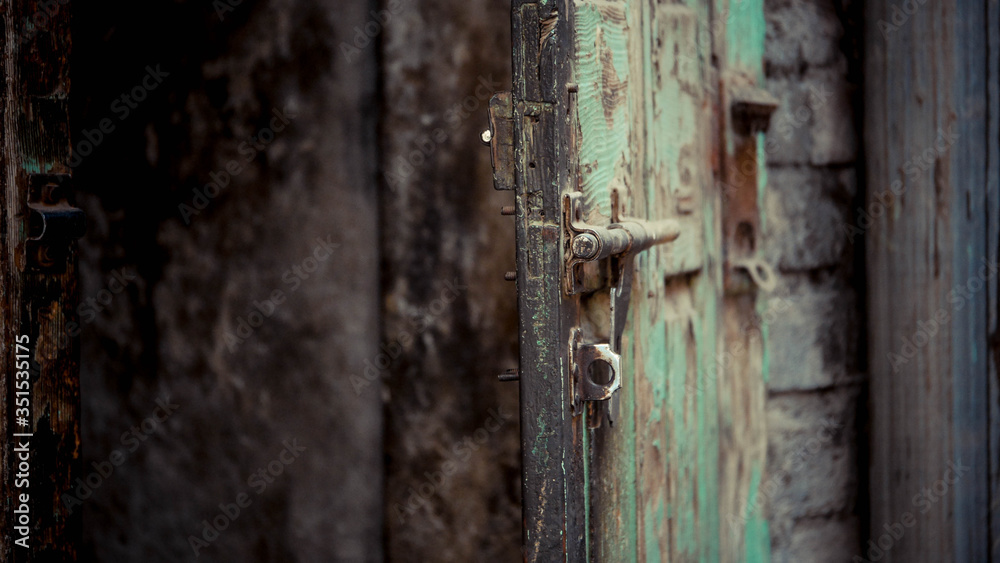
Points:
742	367
992	209
678	453
552	436
608	90
440	64
741	361
38	305
928	147
645	121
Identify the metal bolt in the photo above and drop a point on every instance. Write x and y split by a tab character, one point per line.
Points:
486	136
507	210
585	246
510	276
510	375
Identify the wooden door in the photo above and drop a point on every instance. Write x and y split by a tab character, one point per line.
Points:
651	111
38	323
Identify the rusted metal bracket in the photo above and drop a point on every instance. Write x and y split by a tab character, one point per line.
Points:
596	367
53	223
751	108
500	138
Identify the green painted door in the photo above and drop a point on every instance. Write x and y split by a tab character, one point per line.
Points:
651	111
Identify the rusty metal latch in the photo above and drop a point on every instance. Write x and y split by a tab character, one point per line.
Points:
53	223
596	367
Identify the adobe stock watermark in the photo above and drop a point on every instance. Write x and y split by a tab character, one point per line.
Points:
922	503
900	15
929	328
258	481
913	167
364	36
376	368
131	440
201	198
293	278
404	166
223	7
122	107
458	454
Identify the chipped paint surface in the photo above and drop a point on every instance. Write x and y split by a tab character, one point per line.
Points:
602	72
647	104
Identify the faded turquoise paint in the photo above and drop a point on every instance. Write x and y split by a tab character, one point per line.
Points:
656	361
606	124
758	536
651	537
32	165
683	433
745	33
745	36
703	332
602	72
643	132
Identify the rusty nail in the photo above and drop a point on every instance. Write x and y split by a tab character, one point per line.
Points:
509	375
510	276
507	210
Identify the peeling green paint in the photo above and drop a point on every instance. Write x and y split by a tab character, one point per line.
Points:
602	73
758	537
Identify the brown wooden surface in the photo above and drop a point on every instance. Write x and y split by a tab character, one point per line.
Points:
170	334
35	55
447	312
931	156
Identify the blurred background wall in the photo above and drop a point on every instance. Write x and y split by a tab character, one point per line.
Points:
339	281
818	387
237	199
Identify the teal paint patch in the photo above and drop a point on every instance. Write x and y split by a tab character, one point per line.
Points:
757	533
745	34
602	75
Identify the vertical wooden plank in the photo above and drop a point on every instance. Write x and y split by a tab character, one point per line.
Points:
742	363
449	320
35	140
661	485
931	168
611	93
674	305
645	119
552	436
993	255
967	173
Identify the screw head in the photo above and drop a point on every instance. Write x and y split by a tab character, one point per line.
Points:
585	246
486	136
